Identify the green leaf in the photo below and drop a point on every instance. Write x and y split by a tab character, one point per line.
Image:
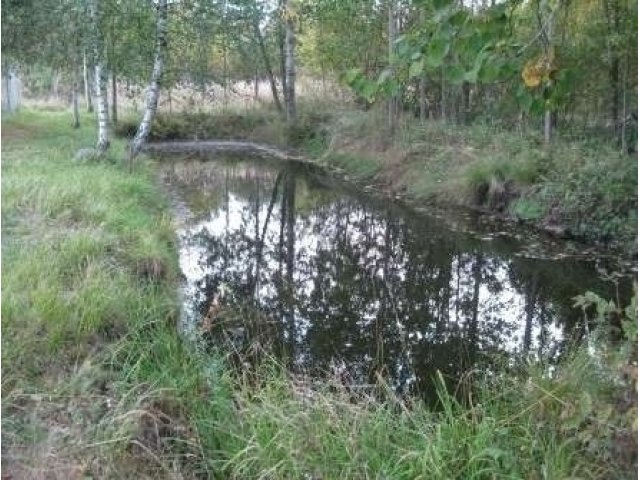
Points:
458	18
385	76
489	72
455	74
416	69
436	52
350	76
524	99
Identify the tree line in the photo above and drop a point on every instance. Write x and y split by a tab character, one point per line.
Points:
567	65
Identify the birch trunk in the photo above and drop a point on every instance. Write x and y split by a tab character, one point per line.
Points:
114	98
101	105
87	84
100	81
154	85
289	67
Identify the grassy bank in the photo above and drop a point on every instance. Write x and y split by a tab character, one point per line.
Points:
578	187
91	363
98	384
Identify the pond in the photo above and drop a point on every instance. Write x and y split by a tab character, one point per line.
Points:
329	279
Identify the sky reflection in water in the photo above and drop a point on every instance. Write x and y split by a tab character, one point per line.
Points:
347	279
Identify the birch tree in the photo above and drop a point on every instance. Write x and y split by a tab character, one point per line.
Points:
100	80
153	91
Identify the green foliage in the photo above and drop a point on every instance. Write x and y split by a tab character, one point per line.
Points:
593	196
527	209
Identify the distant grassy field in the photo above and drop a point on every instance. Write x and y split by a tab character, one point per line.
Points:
96	382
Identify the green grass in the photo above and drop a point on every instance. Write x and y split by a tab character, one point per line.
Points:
97	383
89	302
530	426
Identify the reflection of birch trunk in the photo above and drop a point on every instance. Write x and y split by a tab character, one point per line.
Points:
256	242
280	278
261	239
529	309
289	194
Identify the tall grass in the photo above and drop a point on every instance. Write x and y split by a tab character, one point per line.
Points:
89	308
535	425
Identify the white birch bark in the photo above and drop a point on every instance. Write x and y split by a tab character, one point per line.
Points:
100	81
289	66
153	92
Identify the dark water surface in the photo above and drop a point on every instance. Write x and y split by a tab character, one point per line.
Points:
363	286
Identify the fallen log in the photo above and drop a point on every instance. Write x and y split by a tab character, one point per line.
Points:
219	146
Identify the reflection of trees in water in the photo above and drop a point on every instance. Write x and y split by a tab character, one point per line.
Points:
390	296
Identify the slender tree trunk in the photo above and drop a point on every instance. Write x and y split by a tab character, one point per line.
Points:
100	80
548	114
422	88
443	97
265	60
392	37
114	98
611	9
256	87
281	35
623	127
154	85
55	82
76	114
87	83
466	101
290	68
8	94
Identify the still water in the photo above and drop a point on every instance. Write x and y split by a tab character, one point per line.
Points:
345	282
